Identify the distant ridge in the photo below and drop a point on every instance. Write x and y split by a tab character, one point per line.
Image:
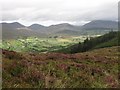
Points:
100	24
15	29
12	26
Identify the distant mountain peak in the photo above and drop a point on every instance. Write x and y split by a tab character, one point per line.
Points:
12	25
15	23
100	24
64	24
36	27
61	25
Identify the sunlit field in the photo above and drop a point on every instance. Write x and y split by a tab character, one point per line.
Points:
34	44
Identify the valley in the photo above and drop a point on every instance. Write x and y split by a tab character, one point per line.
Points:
60	56
34	44
59	44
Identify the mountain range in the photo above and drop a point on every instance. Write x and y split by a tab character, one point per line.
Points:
15	29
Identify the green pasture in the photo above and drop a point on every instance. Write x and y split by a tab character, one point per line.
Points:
34	44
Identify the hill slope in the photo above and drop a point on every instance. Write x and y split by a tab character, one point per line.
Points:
16	30
36	27
13	25
100	25
94	69
68	32
107	40
61	27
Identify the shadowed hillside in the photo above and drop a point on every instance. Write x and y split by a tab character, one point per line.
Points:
100	25
108	40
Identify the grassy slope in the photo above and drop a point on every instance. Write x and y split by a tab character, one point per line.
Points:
97	68
110	43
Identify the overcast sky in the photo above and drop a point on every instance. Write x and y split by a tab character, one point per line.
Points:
47	12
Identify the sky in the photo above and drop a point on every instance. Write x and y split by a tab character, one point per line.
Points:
49	12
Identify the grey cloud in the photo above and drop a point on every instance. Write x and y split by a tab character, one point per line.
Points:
57	11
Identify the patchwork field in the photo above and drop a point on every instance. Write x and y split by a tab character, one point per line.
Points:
33	44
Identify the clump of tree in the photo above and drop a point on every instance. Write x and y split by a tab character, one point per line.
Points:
91	43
